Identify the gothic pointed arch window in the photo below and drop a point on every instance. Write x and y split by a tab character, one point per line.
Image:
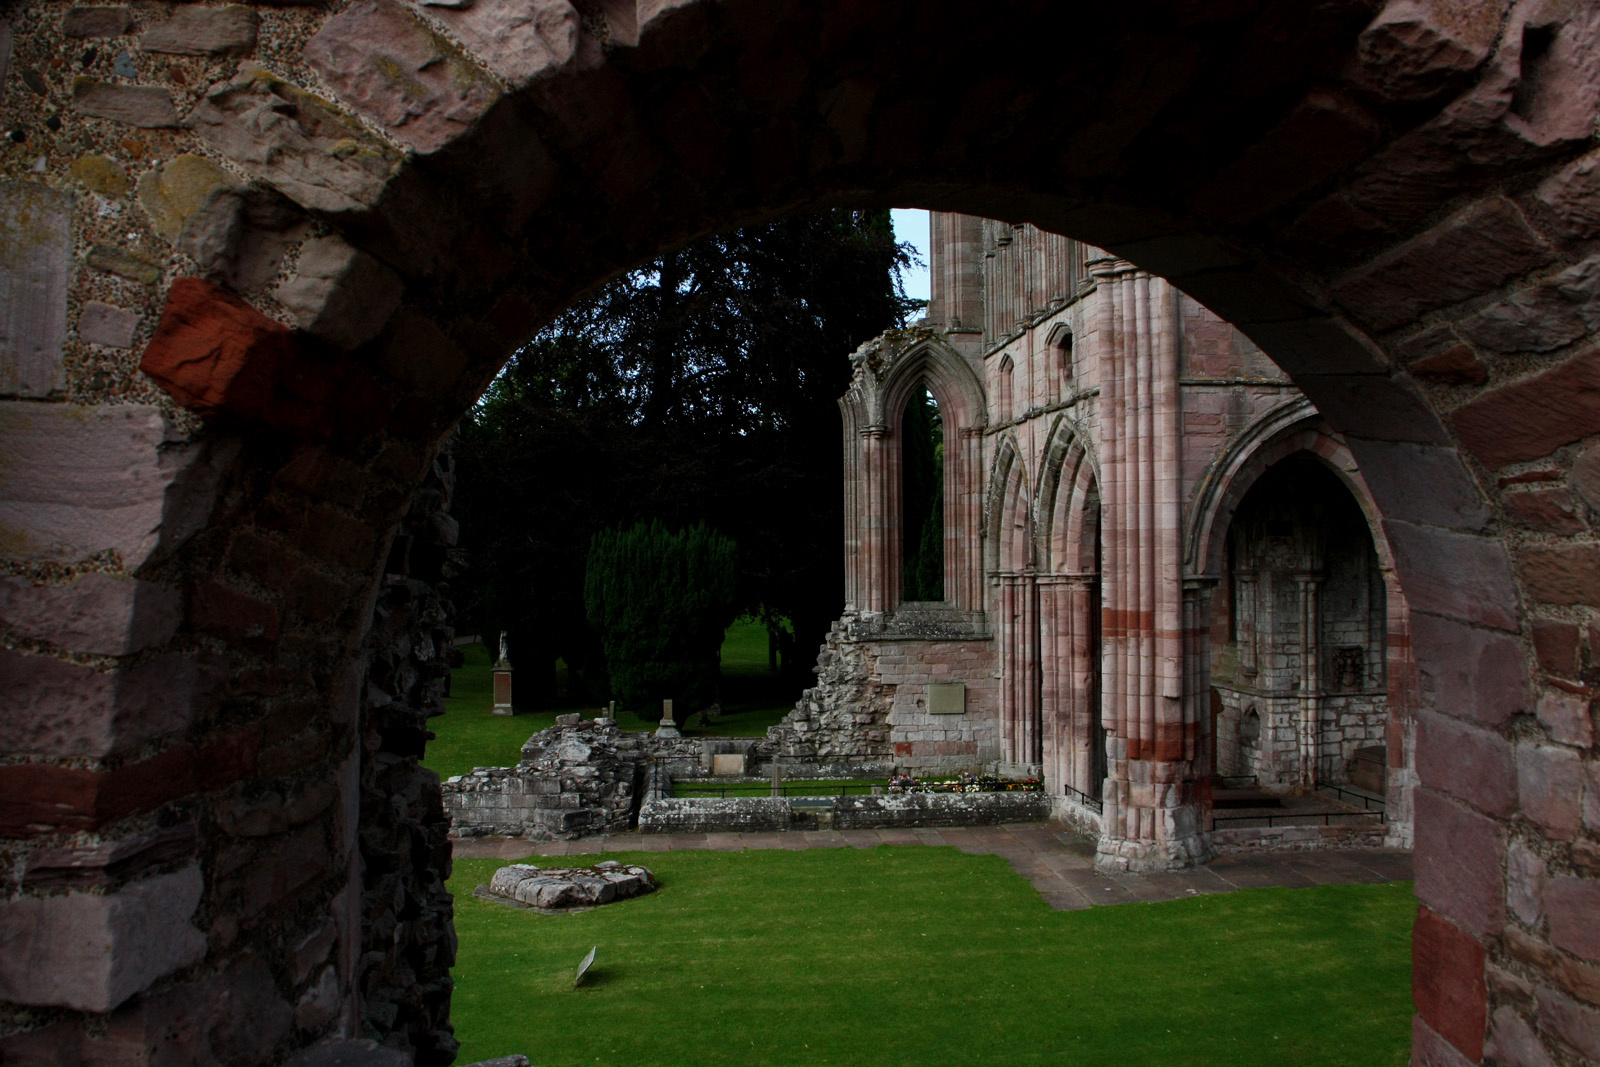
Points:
922	497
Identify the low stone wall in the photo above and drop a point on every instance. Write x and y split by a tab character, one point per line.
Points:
1076	816
1247	839
576	778
938	809
661	813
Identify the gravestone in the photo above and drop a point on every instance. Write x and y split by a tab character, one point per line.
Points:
668	727
502	682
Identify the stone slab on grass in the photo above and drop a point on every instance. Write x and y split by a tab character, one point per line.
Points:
562	889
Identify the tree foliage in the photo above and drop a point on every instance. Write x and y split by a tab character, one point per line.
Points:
699	387
922	498
659	601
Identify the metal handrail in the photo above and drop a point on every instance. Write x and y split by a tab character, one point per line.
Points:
1282	816
1086	800
1366	801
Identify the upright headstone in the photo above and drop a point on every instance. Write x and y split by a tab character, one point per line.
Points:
502	682
777	779
668	727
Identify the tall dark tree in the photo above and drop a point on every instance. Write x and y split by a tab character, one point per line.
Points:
699	387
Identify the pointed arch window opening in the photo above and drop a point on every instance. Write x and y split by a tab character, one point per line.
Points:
922	577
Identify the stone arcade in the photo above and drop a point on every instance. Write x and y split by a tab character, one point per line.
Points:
1151	546
255	263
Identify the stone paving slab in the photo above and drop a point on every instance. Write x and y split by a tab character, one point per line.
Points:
1057	862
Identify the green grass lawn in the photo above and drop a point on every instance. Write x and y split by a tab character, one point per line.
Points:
468	736
930	956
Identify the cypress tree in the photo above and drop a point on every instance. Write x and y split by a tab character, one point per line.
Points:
660	601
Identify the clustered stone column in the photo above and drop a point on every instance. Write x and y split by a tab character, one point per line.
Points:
1152	814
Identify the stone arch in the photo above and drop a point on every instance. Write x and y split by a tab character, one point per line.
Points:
1069	479
488	170
1010	522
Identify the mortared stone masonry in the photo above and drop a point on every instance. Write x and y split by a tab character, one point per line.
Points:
1395	199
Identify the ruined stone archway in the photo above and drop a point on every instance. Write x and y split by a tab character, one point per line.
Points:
1396	201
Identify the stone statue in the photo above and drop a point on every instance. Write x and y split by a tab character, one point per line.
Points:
503	658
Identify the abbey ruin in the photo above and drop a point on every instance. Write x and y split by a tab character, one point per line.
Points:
1158	562
255	263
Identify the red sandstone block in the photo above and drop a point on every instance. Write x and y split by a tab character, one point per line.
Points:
1546	510
37	798
1448	982
1561	573
1573	908
1572	197
95	613
1568	717
1458	858
1471	673
1474	765
92	952
1570	1022
1472	252
1591	798
236	617
1555	644
1531	418
1428	1049
1457	575
1550	786
60	709
1456	365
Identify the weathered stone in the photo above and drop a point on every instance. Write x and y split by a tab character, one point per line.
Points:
1474	765
147	106
321	1004
1460	575
1585	476
1533	417
1416	48
106	863
1561	573
214	353
1513	1041
518	40
384	62
1547	510
5	53
97	479
418	354
1457	365
571	887
91	953
1458	863
96	613
1456	1002
123	264
203	31
340	293
172	194
1555	645
1525	879
1572	905
1572	197
342	1052
100	175
294	141
1550	786
61	709
97	21
103	324
1569	1021
1421	483
35	265
1550	315
1477	249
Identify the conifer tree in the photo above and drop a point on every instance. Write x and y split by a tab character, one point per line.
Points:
660	601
